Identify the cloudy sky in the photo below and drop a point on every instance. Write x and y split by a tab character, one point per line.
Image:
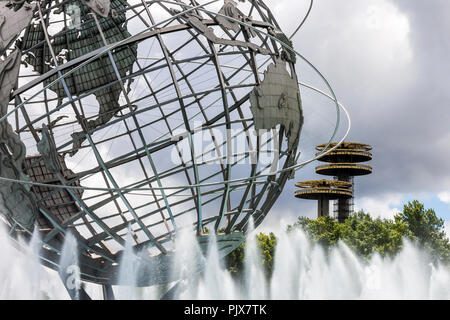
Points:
387	61
388	64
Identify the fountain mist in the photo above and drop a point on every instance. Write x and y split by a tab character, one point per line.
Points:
128	271
21	275
254	278
302	270
69	270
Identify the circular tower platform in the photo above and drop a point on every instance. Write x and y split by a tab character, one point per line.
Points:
344	169
343	163
323	191
348	152
318	189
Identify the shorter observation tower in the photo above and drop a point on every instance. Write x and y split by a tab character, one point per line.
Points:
323	191
343	163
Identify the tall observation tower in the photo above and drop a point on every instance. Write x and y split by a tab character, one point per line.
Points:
343	163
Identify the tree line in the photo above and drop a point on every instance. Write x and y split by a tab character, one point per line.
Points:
363	234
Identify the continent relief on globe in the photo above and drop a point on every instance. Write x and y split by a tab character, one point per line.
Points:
276	101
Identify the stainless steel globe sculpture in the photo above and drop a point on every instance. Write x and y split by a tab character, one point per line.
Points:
146	117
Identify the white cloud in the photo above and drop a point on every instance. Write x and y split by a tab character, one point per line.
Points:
279	218
384	207
363	44
444	196
447	228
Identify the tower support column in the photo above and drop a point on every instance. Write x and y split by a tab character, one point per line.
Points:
323	207
344	205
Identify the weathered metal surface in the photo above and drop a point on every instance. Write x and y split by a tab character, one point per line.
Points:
9	73
57	201
229	9
276	101
16	200
47	148
196	22
101	7
13	22
69	44
287	53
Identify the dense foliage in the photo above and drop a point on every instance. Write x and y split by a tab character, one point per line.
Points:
364	234
266	246
367	235
427	229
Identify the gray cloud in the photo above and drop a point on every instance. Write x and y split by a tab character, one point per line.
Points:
389	64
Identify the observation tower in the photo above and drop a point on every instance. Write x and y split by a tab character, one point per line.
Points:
323	191
343	163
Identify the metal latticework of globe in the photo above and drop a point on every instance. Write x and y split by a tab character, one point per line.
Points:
148	117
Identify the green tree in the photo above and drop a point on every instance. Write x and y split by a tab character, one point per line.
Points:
366	235
362	233
427	229
266	245
324	230
234	262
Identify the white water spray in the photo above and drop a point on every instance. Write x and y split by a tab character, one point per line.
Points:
215	283
21	275
187	264
128	272
254	278
302	270
35	270
69	269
